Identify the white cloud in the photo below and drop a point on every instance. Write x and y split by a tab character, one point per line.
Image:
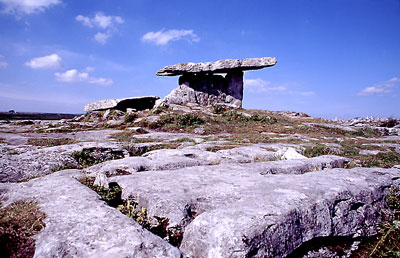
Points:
45	62
72	76
27	6
89	69
3	64
99	20
103	22
102	37
163	37
381	88
259	85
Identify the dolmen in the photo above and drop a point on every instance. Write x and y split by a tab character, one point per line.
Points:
202	84
136	103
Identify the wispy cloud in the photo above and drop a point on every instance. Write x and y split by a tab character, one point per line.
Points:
73	76
19	7
99	20
45	62
3	64
381	88
259	85
162	37
103	22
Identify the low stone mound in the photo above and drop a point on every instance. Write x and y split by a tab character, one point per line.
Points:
137	103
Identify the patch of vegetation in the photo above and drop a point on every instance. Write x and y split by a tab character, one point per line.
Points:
24	122
349	149
130	117
18	223
184	139
130	208
317	150
64	166
220	147
366	132
111	195
50	142
387	242
128	136
382	159
219	109
92	156
160	109
139	151
187	121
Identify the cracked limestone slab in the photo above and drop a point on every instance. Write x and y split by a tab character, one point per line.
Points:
232	210
79	224
43	161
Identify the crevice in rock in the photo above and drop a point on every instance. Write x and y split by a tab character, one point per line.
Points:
129	207
91	156
329	246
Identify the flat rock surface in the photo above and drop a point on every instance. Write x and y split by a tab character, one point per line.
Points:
236	211
79	224
221	66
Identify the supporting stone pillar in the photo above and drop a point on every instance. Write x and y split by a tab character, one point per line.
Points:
234	80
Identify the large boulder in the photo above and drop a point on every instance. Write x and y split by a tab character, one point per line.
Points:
138	103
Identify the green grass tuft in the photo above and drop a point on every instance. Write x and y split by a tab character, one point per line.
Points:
18	223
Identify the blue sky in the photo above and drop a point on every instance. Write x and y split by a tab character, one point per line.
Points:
335	57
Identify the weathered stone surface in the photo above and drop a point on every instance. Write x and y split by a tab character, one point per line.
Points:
221	66
138	103
35	162
234	211
79	224
207	90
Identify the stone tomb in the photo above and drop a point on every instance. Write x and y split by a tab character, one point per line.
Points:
200	83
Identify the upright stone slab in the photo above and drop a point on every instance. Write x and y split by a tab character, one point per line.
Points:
199	84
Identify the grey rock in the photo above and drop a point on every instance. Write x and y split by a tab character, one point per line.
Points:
221	66
79	224
207	90
235	211
138	103
150	119
289	154
369	152
39	162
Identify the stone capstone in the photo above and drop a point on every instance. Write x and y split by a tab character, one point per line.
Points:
137	103
220	66
201	84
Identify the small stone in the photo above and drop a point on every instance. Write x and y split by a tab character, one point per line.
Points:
199	130
289	154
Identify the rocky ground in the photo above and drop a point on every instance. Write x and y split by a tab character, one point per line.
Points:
190	181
